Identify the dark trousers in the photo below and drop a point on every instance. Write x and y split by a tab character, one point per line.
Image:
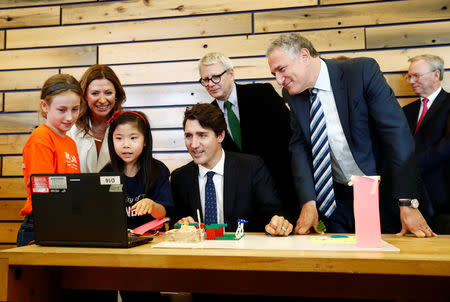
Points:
342	220
26	231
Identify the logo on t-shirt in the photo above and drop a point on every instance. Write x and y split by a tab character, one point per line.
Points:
71	161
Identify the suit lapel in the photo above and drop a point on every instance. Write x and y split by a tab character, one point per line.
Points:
435	108
228	143
300	108
194	192
338	84
412	115
230	178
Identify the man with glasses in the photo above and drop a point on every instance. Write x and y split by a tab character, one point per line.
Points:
429	120
257	121
346	121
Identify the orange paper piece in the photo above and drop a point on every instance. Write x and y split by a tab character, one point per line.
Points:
367	211
152	225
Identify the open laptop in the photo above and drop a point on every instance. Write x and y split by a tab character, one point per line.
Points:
85	209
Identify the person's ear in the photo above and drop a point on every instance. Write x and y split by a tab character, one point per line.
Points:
221	136
44	106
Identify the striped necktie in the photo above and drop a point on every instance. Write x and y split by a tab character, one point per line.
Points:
210	200
323	181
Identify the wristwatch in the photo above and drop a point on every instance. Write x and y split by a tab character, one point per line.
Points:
413	203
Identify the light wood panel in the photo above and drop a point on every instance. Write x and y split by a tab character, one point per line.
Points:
25	79
12	143
2	39
9	209
48	57
173	160
250	45
12	188
405	101
19	122
130	31
15	3
351	15
12	166
408	35
8	231
164	95
328	2
36	16
165	117
139	9
1	101
22	101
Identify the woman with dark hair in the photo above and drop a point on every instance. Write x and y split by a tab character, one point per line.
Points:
103	95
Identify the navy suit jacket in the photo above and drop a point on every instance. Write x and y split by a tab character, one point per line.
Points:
265	131
376	131
248	192
433	149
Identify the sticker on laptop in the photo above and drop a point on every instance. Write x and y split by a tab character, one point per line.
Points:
110	180
39	184
116	188
57	182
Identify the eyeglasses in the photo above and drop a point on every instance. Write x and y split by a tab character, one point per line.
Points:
416	76
215	79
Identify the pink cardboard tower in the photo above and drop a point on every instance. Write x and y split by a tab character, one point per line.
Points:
367	211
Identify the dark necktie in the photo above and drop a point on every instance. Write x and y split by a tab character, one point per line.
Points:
210	200
233	122
323	181
424	111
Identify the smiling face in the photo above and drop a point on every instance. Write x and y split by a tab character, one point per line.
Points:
292	72
62	111
222	90
128	143
424	81
203	144
101	97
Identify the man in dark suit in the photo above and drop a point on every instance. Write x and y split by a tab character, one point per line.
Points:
429	120
224	186
346	121
255	114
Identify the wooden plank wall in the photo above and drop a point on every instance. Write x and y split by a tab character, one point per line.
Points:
154	45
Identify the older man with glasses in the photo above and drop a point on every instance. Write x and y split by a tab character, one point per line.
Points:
429	120
257	121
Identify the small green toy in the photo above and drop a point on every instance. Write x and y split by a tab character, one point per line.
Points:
321	227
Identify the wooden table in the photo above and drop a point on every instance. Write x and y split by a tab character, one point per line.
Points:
420	271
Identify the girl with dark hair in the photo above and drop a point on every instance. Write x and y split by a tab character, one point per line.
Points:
147	179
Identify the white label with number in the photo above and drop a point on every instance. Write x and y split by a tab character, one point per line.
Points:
109	180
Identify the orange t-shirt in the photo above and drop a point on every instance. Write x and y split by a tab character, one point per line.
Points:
47	152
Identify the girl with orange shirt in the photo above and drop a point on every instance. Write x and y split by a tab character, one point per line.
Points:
49	149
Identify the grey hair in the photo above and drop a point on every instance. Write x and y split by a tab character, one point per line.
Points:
437	63
292	43
213	58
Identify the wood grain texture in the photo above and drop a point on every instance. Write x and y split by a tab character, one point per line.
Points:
165	117
328	2
48	57
250	45
2	39
12	188
138	9
16	3
130	31
12	143
351	15
422	34
25	79
12	166
165	95
19	122
173	160
22	101
8	231
24	17
9	210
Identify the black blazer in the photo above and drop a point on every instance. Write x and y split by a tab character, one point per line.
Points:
433	149
265	131
375	129
248	192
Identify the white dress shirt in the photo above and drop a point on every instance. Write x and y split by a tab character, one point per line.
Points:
218	170
342	162
431	99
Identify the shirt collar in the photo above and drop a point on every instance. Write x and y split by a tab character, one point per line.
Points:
433	96
323	80
232	99
217	169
